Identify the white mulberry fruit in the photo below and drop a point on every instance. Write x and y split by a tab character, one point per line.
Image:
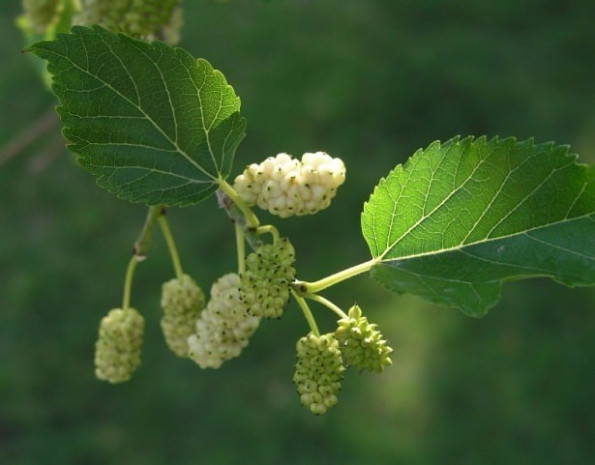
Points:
286	186
224	327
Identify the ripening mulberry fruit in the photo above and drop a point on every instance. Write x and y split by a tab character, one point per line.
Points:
286	186
118	347
265	285
170	32
318	371
145	19
224	327
41	14
182	300
361	343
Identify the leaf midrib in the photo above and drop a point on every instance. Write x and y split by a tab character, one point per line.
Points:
469	178
388	246
461	247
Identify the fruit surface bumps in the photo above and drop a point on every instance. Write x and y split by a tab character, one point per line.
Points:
318	371
265	285
145	19
118	347
41	14
224	327
286	186
182	300
361	343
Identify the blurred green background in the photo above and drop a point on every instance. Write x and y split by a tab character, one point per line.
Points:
369	81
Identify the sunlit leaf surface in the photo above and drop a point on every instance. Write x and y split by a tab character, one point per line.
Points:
460	218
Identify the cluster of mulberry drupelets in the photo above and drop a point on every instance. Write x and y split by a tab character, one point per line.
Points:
224	326
40	14
118	347
237	303
318	371
209	335
182	301
220	331
265	285
146	19
286	186
319	367
361	343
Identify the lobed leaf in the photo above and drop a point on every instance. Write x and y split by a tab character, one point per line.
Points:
462	217
151	122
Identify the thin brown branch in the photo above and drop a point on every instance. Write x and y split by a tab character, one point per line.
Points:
40	162
42	125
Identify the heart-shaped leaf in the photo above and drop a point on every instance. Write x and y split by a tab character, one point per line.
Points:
151	122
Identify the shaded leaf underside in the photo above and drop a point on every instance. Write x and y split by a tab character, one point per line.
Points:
462	217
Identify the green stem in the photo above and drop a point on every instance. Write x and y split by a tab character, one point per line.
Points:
128	281
241	248
314	287
270	229
307	313
144	238
251	219
171	245
326	303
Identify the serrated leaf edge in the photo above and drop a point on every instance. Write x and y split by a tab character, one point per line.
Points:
457	139
208	69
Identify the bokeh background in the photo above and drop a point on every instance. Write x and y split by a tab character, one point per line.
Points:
369	81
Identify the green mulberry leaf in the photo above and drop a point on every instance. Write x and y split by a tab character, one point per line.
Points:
460	218
151	122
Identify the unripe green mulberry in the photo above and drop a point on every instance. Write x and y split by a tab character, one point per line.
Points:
265	285
118	347
182	301
361	343
224	327
318	371
146	19
286	186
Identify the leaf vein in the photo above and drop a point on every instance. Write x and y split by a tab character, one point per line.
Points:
588	216
438	206
559	247
153	122
496	194
525	199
